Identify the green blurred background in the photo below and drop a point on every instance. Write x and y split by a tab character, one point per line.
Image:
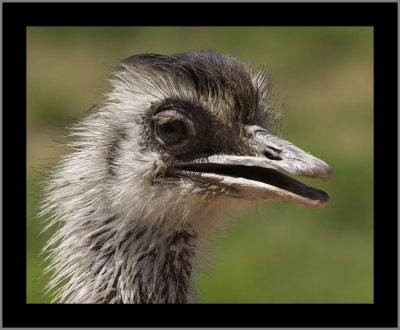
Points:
281	253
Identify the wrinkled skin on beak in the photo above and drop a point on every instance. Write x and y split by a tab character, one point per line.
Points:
263	176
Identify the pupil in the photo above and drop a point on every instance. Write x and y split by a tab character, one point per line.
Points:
171	132
171	128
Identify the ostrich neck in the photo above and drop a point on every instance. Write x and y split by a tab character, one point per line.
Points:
148	266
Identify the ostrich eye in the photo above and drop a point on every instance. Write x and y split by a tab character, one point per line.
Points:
171	132
174	130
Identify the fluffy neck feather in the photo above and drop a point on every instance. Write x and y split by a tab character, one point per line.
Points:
135	265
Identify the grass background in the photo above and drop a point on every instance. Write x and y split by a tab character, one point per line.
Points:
281	253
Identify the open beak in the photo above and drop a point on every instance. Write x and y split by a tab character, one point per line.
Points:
263	176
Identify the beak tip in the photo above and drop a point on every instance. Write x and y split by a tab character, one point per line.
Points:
324	171
323	201
326	175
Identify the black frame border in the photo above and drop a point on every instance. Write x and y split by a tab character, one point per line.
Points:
381	16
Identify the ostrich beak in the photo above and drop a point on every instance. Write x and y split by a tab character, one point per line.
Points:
263	176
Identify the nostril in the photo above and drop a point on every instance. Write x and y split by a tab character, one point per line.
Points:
273	154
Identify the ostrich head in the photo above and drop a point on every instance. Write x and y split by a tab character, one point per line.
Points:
177	142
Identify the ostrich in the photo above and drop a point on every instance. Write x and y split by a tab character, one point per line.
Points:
177	142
